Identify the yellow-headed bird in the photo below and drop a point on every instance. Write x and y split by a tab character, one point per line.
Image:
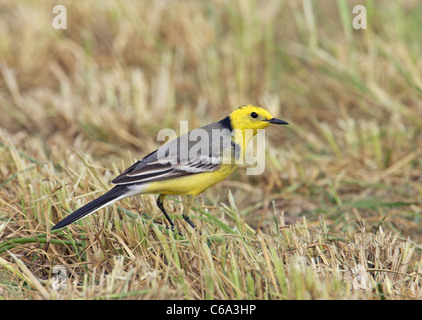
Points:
187	165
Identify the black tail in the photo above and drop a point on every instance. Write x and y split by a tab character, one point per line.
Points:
118	192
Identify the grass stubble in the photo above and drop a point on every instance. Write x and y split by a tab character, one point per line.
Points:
336	214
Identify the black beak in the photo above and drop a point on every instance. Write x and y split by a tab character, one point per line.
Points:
277	121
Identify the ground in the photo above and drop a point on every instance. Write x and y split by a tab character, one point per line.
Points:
336	213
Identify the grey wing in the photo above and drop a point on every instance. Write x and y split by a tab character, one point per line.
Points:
142	171
169	162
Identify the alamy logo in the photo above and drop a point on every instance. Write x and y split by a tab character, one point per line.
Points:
60	20
203	149
359	21
59	278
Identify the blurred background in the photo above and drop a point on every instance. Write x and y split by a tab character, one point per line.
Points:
78	105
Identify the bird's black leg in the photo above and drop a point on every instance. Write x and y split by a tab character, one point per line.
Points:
186	209
160	204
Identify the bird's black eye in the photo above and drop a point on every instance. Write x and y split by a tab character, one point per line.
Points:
254	115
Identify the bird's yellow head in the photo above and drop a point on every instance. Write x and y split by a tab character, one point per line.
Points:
252	117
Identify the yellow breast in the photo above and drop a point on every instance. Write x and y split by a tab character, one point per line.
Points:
192	184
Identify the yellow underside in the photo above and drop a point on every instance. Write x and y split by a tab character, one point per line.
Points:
190	185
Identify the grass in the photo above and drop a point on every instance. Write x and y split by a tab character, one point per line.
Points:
336	214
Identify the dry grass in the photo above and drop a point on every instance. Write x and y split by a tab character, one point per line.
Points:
336	215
